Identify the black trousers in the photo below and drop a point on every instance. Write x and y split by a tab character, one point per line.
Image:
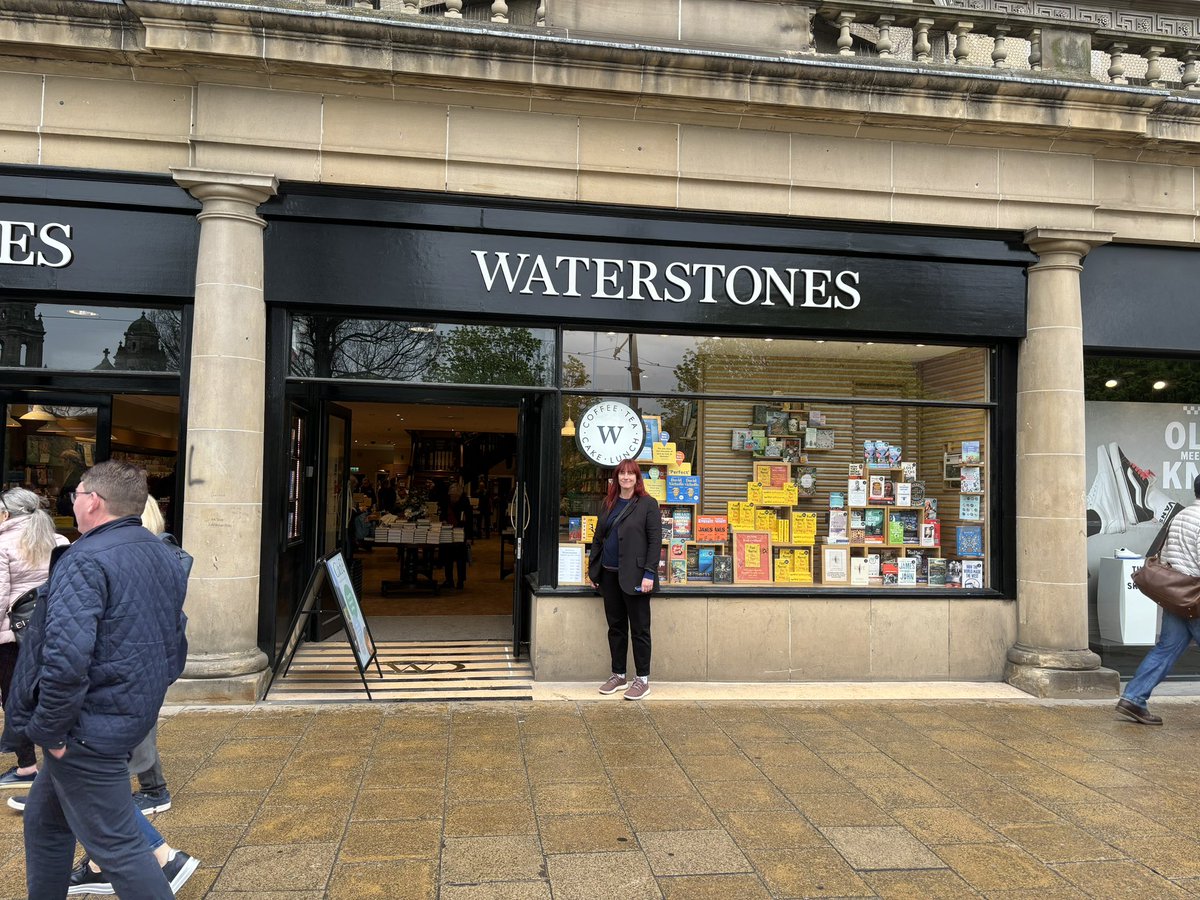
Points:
454	557
85	796
26	755
626	614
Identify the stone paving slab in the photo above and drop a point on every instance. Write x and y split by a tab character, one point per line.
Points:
678	799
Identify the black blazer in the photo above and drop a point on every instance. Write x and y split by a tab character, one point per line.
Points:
639	545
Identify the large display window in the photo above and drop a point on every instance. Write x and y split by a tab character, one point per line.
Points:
795	463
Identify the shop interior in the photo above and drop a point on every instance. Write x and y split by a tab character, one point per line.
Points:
429	528
47	446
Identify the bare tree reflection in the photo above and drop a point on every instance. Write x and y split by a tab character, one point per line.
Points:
335	347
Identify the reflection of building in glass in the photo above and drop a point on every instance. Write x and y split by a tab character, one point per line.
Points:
140	351
22	335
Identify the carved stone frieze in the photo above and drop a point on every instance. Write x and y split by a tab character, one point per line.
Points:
1107	17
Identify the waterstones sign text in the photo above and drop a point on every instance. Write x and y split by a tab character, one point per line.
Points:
676	282
28	244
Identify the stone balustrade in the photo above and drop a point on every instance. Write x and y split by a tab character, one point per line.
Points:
1097	41
1100	43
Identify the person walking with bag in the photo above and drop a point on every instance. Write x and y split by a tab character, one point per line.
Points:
27	536
1181	551
623	565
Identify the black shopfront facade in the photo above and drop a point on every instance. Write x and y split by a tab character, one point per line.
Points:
692	318
97	274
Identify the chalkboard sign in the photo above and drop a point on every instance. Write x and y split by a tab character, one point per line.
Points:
332	571
356	626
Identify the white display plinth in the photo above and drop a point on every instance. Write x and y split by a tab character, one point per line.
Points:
1126	615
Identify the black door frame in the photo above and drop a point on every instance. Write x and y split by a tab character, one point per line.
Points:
316	395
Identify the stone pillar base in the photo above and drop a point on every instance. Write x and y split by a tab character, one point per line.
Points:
1060	674
229	689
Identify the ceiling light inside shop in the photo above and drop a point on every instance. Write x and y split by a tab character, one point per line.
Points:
83	312
1159	385
37	414
1111	383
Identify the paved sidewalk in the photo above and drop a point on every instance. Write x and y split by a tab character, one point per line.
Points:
607	800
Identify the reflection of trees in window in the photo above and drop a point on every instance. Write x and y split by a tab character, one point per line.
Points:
334	347
492	355
169	325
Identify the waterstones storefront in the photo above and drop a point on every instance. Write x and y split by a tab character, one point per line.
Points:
827	416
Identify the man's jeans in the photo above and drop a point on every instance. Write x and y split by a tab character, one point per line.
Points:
85	795
1173	640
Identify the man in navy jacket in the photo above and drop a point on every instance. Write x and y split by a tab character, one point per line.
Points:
90	679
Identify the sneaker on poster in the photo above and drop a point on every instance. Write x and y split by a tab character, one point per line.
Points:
152	801
85	881
1135	483
1105	512
179	869
11	779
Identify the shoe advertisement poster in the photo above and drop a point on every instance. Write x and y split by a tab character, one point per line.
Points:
1141	461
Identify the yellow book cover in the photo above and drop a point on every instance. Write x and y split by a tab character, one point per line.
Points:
656	488
782	531
783	567
754	492
675	468
589	528
764	520
804	528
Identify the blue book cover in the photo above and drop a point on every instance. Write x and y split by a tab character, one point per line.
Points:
970	540
704	565
683	488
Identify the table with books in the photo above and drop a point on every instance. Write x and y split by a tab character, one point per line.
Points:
420	547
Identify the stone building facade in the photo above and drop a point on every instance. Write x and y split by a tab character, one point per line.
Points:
1062	129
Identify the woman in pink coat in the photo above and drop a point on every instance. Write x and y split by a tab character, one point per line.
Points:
27	536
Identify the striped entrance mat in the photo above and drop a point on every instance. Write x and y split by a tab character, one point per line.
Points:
440	671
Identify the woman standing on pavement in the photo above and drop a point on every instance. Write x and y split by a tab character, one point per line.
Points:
27	536
623	565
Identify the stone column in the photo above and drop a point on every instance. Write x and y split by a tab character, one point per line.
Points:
222	502
1051	657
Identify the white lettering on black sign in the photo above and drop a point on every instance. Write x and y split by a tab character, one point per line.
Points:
25	244
677	282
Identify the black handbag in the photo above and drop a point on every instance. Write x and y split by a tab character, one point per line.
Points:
21	612
1171	589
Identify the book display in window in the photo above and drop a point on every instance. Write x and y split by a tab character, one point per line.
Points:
970	540
751	557
888	519
835	564
972	573
970	480
722	569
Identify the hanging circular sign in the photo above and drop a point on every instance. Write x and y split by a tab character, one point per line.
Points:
610	432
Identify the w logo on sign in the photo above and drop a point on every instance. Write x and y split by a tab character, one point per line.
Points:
610	434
